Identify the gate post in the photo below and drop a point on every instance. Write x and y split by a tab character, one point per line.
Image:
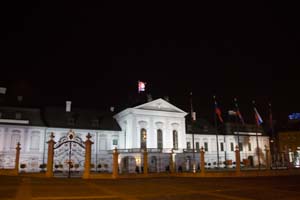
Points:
49	172
145	157
202	161
171	162
87	160
268	158
115	163
237	159
18	148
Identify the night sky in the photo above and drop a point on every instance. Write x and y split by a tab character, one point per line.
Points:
94	55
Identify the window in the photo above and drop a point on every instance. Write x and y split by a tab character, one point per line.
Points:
71	121
175	139
205	146
143	138
231	146
222	146
249	146
15	138
188	145
159	139
241	146
95	123
18	115
197	146
115	141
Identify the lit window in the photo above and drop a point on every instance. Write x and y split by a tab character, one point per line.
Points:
175	139
143	138
159	139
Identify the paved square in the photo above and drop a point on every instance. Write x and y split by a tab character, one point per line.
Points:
150	188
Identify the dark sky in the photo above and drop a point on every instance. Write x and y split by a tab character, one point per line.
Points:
95	54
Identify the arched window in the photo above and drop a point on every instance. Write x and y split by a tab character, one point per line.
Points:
143	138
175	139
159	139
15	138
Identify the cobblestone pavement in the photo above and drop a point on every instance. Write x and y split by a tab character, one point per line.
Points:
150	188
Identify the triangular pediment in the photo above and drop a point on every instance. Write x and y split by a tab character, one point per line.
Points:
159	105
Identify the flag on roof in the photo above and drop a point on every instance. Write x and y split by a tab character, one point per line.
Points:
238	113
258	118
141	86
218	112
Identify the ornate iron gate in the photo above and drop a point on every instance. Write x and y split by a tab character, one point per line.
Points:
69	154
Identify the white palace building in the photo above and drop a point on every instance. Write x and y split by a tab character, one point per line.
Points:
158	126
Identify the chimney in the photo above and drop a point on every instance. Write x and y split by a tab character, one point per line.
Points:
166	98
20	99
112	109
68	106
149	97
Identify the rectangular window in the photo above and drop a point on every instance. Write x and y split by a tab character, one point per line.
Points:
95	123
115	142
197	146
241	146
188	145
71	121
249	146
222	146
205	146
231	146
18	115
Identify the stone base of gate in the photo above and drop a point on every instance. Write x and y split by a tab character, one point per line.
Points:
9	172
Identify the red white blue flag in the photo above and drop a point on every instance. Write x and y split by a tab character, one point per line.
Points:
141	86
258	118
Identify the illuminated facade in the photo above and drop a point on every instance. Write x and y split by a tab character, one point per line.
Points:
157	126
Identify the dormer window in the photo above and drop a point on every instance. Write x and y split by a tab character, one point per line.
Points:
71	121
95	123
18	115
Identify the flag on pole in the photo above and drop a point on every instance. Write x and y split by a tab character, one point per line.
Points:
238	113
258	118
141	86
218	111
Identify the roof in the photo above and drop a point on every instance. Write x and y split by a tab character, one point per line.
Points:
80	118
202	126
17	115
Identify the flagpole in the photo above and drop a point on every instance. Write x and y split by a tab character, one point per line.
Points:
256	130
193	140
272	135
216	126
236	123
